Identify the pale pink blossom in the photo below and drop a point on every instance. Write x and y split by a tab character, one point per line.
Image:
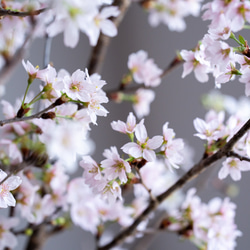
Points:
64	141
227	75
114	166
11	183
233	167
92	171
111	192
195	61
30	69
102	23
240	13
218	53
143	99
26	197
71	16
7	237
210	129
221	29
172	147
85	214
94	106
76	86
144	70
144	147
125	128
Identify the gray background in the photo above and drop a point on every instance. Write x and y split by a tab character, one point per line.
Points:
177	101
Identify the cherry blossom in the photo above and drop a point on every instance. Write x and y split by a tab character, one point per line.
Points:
195	61
103	24
125	128
144	146
11	183
144	70
114	166
233	167
143	99
7	238
172	147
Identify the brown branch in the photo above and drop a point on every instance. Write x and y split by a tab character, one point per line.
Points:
240	157
192	173
37	115
8	12
99	51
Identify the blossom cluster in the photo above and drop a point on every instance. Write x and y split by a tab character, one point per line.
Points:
89	17
216	130
213	54
142	70
208	226
171	13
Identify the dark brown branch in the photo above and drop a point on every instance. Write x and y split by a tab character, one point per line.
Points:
99	51
240	157
37	115
8	12
192	173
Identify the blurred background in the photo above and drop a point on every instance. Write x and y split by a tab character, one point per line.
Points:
177	101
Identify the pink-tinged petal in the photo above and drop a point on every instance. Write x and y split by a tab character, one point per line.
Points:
244	166
235	174
200	125
149	155
2	203
187	68
55	28
71	35
2	174
13	182
108	28
200	74
187	55
141	132
10	200
119	126
10	239
247	89
223	173
133	149
109	11
155	142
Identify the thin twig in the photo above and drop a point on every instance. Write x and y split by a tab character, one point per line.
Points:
26	118
8	12
192	173
240	157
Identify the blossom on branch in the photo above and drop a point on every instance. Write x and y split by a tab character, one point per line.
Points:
11	183
144	146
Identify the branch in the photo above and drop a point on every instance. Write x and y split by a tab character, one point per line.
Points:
37	115
99	51
240	157
192	173
8	12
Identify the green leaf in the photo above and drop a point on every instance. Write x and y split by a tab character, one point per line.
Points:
242	39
